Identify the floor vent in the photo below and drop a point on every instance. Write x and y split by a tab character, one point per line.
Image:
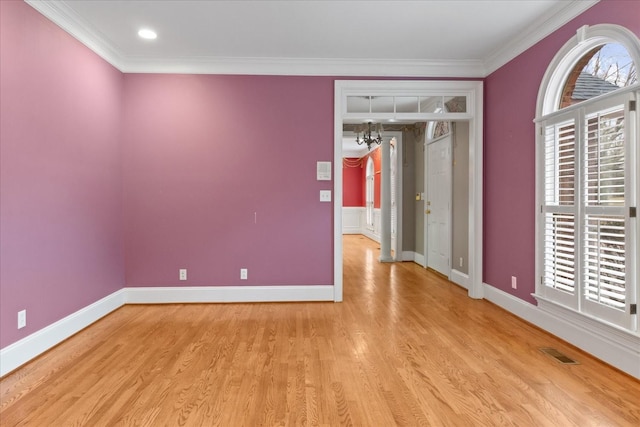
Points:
565	360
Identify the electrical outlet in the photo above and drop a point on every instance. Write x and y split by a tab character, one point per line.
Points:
514	282
183	274
22	319
461	261
244	274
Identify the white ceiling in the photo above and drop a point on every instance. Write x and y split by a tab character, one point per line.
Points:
463	38
429	38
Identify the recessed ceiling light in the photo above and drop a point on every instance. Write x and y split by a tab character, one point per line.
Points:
148	34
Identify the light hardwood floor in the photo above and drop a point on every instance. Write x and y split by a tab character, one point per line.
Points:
405	347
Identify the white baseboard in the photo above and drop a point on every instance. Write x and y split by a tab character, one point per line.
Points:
218	294
618	348
20	352
460	278
371	235
612	345
408	256
420	259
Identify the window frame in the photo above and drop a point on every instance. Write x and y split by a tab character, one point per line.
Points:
548	113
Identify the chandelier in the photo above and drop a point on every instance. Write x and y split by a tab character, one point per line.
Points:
366	131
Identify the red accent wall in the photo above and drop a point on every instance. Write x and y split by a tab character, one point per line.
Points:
353	170
354	186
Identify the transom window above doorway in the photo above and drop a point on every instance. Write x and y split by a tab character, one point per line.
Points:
406	104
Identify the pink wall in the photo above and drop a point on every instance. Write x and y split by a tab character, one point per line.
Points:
197	156
353	182
203	153
61	245
509	219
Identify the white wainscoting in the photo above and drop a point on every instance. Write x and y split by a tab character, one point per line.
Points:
353	220
373	233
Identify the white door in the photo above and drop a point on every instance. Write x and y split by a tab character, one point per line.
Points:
438	205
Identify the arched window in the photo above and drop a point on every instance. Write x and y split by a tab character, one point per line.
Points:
369	192
587	180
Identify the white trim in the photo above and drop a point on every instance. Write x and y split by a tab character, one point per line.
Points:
473	90
617	347
541	28
305	67
420	259
20	352
397	237
408	256
67	19
353	219
227	294
337	201
459	278
586	38
371	234
547	109
608	343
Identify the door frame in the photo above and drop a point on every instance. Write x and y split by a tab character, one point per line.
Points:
473	90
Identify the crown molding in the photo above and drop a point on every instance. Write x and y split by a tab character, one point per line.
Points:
539	29
66	18
305	67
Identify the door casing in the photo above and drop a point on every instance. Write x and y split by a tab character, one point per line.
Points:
473	91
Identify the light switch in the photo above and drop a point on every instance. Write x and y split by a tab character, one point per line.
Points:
325	195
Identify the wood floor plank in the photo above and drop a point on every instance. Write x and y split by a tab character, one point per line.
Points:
406	347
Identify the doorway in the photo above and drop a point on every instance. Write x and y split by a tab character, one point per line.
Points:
431	96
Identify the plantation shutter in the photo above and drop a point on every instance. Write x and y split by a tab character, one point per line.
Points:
585	225
560	210
604	229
